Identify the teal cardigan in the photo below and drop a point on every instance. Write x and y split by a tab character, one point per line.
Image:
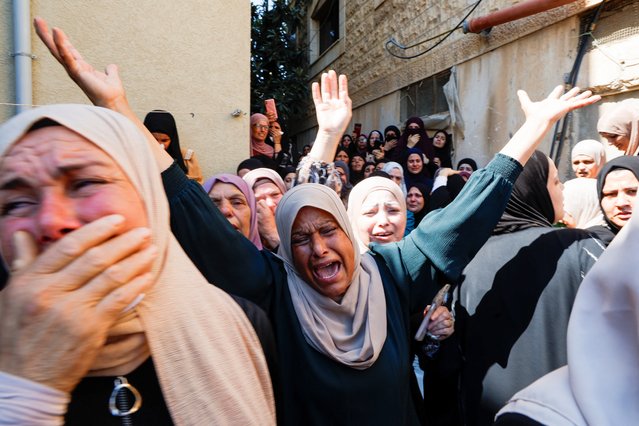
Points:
313	388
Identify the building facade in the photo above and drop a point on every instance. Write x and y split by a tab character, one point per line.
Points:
190	58
467	83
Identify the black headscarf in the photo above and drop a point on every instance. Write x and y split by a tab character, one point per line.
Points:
530	204
472	163
159	121
624	162
425	190
249	163
425	143
444	153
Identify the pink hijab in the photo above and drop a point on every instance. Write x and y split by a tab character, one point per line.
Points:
240	184
259	147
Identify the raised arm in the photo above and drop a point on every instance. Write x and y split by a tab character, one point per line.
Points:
449	238
333	108
541	116
104	89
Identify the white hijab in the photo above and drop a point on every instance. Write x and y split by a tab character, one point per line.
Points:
358	195
600	384
591	148
582	203
207	357
353	331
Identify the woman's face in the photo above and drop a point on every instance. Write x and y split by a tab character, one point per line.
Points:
266	190
374	138
233	205
346	141
381	219
323	255
53	181
618	196
413	126
259	130
415	163
289	180
620	142
466	170
439	140
370	168
380	166
362	141
163	139
414	200
342	156
555	190
584	166
357	163
390	135
396	176
342	175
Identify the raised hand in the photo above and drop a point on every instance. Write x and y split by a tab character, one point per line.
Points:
556	105
540	117
103	88
333	106
58	307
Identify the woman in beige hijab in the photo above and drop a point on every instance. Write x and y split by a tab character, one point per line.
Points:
620	126
101	297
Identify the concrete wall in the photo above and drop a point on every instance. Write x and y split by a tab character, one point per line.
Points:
190	58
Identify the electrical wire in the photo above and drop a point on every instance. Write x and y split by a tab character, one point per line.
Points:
445	35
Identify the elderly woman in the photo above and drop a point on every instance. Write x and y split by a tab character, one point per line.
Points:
587	158
341	317
259	133
77	184
235	200
620	126
268	188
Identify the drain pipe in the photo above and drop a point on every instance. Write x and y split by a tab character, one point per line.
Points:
518	11
22	54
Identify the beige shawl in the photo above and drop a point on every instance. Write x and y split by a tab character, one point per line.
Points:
359	193
582	203
600	384
623	120
353	331
263	173
206	354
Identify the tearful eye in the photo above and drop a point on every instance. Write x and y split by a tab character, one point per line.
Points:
85	183
16	207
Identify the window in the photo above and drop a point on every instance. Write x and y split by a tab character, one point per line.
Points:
326	19
425	97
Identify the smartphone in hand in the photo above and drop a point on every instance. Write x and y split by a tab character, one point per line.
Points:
271	110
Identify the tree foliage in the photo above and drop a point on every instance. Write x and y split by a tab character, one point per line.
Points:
279	60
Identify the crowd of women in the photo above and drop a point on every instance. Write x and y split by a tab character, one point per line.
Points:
136	295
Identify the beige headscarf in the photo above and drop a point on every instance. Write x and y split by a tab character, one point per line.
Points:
263	173
353	331
362	190
206	354
582	203
591	148
623	119
600	384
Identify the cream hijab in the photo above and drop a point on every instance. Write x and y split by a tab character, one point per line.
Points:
582	203
600	384
263	173
623	120
591	148
358	195
353	331
208	359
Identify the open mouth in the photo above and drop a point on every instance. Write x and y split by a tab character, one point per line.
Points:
382	237
326	271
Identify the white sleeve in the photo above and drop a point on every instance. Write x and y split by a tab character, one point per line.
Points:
439	181
23	401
